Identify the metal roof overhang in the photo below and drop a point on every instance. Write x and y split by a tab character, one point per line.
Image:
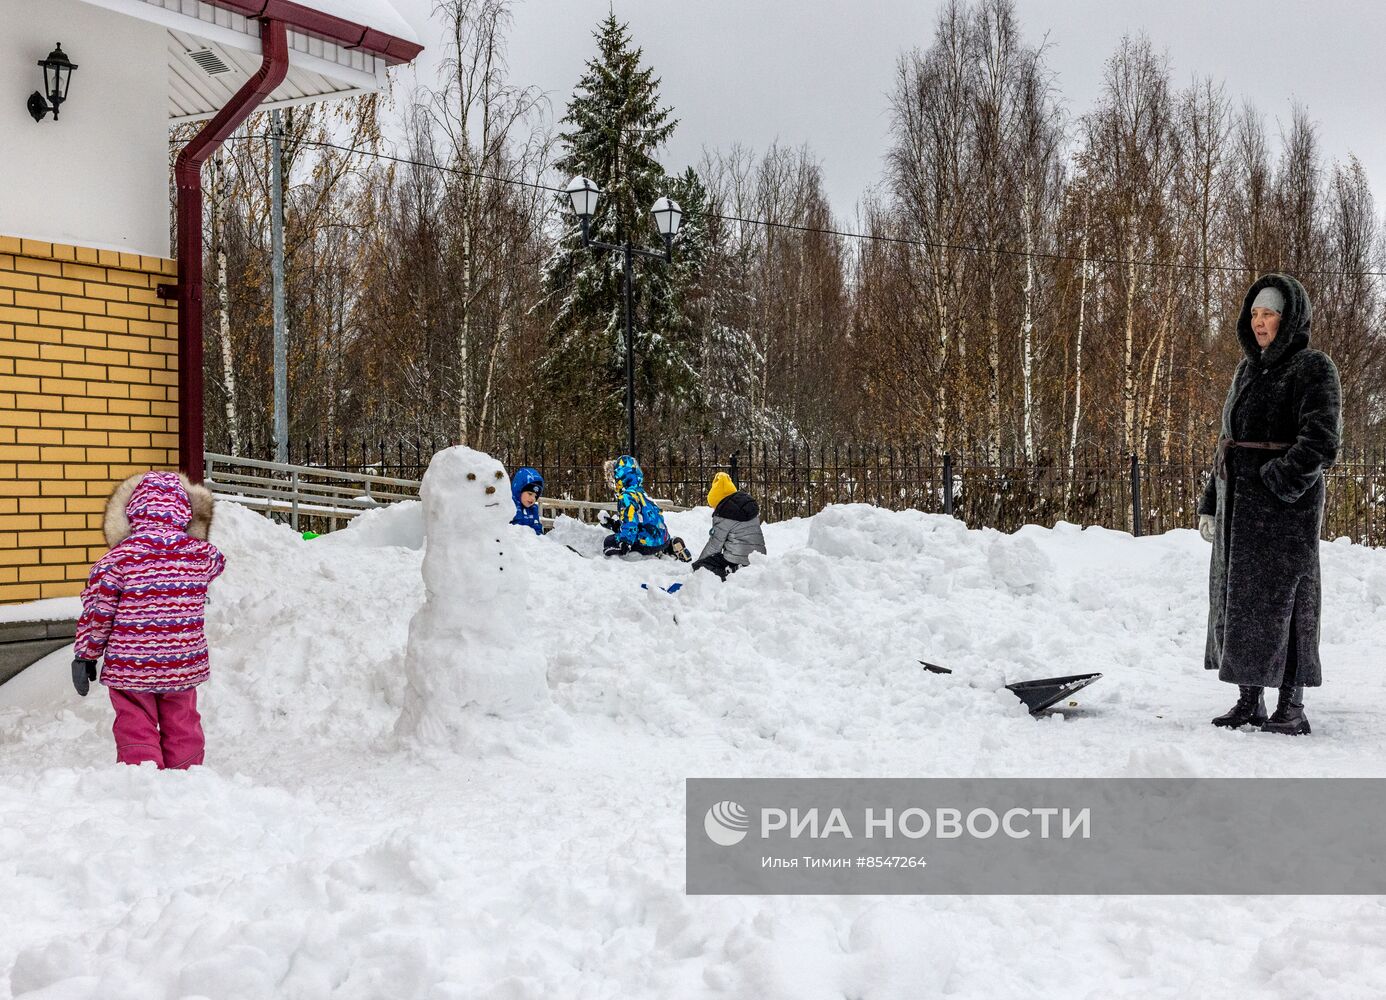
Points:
329	58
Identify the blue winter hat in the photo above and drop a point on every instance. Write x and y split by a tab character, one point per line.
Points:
526	478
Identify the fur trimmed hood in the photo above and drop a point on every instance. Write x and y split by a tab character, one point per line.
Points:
1295	322
195	505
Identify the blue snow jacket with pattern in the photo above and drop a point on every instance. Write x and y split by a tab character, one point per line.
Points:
641	521
526	516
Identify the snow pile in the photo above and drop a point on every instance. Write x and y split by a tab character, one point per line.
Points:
1018	564
542	855
399	524
48	610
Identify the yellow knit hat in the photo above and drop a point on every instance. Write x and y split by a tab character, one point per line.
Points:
722	487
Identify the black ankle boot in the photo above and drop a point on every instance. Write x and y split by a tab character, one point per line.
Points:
1289	718
1249	710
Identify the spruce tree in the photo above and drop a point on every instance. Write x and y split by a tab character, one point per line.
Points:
716	302
615	125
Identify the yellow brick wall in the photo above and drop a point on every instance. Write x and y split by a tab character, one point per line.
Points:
88	395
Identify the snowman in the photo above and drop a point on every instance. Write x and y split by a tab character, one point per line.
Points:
466	654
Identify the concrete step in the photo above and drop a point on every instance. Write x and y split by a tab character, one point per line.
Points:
25	643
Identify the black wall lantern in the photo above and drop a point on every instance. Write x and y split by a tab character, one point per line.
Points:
57	77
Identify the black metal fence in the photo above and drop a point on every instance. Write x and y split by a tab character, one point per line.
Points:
1092	487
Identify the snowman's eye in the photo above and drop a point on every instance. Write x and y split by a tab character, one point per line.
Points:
499	474
471	475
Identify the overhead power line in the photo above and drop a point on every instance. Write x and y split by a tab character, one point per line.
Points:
841	233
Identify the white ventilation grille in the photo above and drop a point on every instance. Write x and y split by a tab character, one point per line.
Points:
210	62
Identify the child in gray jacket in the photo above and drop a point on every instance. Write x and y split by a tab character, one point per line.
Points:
735	529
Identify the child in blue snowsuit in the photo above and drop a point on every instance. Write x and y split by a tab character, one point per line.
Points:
639	524
525	488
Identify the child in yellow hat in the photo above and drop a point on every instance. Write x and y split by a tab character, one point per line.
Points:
735	530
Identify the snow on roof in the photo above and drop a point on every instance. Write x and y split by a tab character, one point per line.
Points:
378	14
373	27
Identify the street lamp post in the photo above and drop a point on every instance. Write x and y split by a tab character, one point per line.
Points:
668	216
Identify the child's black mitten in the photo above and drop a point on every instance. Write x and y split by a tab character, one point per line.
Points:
83	673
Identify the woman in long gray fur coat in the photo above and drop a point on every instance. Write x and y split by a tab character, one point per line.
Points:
1263	509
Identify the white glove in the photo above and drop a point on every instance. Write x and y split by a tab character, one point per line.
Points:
1207	526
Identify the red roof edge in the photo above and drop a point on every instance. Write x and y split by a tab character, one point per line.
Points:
348	34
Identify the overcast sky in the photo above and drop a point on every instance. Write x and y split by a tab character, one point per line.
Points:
819	71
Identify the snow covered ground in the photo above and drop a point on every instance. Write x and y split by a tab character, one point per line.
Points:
543	857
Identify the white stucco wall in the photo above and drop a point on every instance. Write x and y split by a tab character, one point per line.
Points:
99	176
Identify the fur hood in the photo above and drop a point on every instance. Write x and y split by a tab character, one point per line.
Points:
1295	322
116	524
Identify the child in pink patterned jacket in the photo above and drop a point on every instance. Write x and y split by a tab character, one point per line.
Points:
142	610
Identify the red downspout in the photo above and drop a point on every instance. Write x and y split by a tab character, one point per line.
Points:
187	177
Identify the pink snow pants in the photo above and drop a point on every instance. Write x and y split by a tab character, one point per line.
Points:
163	727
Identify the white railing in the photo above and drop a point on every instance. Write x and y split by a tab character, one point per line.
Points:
307	491
298	490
